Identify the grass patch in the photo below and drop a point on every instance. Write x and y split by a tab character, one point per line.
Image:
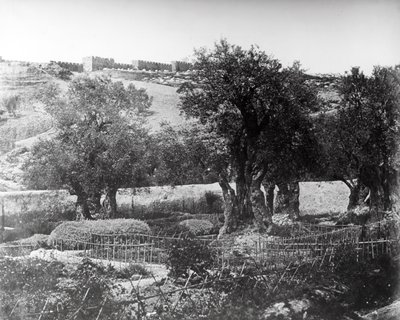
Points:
197	227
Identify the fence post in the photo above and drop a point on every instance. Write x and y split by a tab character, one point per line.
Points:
2	222
113	244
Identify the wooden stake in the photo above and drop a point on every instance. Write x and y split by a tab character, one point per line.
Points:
44	307
101	309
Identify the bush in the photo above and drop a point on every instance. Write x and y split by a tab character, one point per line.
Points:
29	274
197	227
28	285
178	229
214	202
358	216
188	255
132	270
72	232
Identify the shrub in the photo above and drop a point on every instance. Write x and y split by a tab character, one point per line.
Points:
29	274
131	270
178	229
359	216
188	255
214	201
72	232
197	227
28	285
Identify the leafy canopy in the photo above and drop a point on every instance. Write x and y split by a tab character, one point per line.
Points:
101	137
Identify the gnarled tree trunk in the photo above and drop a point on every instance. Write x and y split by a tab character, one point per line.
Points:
230	209
262	216
281	198
95	202
371	176
287	199
243	196
82	208
294	202
112	201
269	188
357	195
394	181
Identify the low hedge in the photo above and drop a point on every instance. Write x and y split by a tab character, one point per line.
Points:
197	227
71	232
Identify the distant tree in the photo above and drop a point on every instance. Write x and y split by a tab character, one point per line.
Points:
195	154
123	161
360	140
180	156
11	104
294	157
337	161
244	96
55	165
101	141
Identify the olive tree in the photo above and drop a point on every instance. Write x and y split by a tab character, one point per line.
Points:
100	144
254	104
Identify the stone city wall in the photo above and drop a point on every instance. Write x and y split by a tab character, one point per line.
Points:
124	66
71	66
178	66
151	65
97	63
18	202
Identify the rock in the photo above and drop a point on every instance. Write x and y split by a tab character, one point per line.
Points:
390	312
298	306
286	311
278	310
322	294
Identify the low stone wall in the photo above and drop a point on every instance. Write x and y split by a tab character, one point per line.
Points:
315	198
17	202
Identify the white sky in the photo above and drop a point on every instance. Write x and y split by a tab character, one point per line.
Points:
326	36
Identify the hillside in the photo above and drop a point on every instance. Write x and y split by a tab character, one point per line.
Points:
18	134
165	101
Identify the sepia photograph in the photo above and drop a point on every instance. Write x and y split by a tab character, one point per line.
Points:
199	159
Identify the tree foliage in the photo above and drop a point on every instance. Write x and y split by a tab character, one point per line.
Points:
188	155
257	107
100	143
360	140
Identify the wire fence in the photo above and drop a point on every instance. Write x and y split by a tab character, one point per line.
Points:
369	241
279	262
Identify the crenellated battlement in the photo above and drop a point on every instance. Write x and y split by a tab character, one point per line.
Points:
97	63
94	63
151	65
71	66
